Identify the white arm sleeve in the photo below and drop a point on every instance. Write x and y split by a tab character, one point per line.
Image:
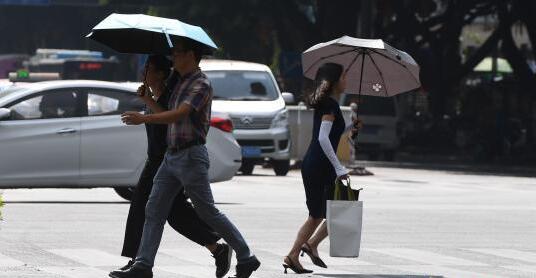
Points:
325	144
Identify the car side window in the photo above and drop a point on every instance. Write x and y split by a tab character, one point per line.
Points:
102	102
46	105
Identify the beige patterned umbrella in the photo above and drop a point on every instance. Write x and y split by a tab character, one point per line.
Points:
372	66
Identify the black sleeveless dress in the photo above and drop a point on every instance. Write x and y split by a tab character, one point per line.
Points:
317	171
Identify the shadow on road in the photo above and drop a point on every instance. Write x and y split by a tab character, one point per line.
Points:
374	276
87	202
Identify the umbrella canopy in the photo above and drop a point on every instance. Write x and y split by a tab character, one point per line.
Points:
486	65
372	66
144	34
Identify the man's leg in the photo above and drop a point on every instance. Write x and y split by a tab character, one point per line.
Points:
165	188
193	173
136	213
185	220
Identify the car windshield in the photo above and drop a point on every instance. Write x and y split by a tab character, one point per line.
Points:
373	106
242	85
10	90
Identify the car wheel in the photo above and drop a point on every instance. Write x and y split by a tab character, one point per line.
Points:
124	192
281	167
247	167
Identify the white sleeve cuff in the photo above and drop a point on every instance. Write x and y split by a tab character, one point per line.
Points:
325	144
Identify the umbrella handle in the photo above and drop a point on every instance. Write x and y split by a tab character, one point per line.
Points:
167	37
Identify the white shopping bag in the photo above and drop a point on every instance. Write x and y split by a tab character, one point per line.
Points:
345	219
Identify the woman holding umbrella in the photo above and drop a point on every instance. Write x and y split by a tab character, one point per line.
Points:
320	165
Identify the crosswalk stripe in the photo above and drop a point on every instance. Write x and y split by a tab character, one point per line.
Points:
425	257
445	272
190	255
508	253
76	272
523	268
90	257
193	271
6	261
331	261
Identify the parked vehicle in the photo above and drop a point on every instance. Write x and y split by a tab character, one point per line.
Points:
249	93
379	134
69	134
75	64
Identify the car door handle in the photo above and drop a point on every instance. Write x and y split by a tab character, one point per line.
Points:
66	131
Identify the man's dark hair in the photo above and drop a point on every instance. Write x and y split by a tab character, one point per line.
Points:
161	63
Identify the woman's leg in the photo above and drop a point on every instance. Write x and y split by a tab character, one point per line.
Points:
304	234
318	237
136	213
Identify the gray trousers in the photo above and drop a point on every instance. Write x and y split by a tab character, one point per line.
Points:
189	169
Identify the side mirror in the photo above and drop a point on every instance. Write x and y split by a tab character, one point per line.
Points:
5	114
288	97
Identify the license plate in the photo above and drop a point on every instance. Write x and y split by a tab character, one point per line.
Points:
251	151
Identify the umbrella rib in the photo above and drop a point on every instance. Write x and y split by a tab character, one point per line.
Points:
396	62
389	58
353	62
379	72
329	56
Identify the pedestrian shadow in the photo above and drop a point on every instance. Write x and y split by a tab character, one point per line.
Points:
67	202
374	276
256	175
94	202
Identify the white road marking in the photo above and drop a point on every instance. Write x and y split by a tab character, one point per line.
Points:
90	257
6	261
508	253
425	257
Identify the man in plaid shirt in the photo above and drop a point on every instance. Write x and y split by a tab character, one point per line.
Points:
185	165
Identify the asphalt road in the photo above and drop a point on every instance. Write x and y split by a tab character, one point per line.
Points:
417	223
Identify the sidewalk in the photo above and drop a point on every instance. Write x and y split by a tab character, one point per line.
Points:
454	165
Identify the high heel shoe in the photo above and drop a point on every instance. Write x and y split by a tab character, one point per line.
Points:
290	264
306	249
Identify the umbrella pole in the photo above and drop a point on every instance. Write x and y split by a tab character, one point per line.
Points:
359	92
359	170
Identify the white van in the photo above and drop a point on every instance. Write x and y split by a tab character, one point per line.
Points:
248	92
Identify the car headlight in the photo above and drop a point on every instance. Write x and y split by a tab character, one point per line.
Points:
280	119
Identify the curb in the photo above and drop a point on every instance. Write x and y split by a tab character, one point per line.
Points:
499	170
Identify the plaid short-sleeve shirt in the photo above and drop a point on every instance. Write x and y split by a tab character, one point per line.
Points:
195	90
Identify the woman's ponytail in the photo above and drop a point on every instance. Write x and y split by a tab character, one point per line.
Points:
327	77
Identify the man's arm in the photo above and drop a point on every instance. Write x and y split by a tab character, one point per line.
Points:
166	117
195	100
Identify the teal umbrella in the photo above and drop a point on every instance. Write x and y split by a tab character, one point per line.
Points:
145	34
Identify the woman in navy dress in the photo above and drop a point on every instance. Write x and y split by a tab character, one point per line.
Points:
320	167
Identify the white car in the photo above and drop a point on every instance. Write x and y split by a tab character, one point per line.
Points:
69	134
248	92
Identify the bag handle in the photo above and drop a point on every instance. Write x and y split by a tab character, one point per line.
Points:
337	195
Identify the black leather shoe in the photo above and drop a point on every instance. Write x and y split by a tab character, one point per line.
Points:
128	265
244	270
132	272
223	256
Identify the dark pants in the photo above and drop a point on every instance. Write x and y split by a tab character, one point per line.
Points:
182	216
